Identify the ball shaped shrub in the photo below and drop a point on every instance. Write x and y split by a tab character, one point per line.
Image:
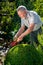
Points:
23	54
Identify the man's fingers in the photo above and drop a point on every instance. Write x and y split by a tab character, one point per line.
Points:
19	39
15	39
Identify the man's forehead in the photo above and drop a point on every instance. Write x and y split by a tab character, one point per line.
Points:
21	8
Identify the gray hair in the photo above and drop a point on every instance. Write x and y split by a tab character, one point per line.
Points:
22	8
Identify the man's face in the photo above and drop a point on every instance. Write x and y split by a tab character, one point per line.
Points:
22	14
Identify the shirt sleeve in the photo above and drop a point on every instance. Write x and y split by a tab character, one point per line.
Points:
34	18
30	18
22	22
31	21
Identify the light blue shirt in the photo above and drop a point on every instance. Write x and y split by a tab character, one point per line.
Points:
32	17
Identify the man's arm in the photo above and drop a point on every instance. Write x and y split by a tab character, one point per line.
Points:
21	30
29	30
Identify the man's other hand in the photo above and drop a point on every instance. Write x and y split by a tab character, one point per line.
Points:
20	38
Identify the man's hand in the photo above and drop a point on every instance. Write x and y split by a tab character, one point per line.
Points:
21	30
15	38
20	38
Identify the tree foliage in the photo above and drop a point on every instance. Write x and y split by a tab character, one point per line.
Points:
9	20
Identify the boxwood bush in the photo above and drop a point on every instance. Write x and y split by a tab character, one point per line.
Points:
23	54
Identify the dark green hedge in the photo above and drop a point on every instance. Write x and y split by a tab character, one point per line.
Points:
23	54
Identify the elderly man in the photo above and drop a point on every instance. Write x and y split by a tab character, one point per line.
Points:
32	21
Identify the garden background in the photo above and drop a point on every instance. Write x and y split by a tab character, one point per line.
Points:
10	22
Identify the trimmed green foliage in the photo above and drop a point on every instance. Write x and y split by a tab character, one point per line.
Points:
23	54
